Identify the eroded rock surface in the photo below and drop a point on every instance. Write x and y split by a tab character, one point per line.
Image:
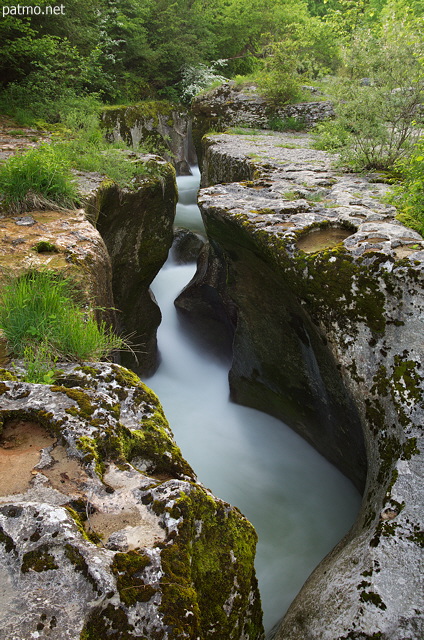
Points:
137	227
154	125
323	289
61	241
112	536
231	105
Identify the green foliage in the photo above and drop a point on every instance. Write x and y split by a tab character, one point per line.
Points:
380	90
331	135
408	196
286	124
199	78
42	323
39	178
42	178
306	50
39	364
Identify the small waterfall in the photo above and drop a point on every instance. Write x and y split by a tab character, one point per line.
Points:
300	505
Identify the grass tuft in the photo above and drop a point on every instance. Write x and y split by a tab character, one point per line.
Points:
37	179
42	323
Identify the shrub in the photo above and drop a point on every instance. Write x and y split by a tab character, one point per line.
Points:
290	123
380	91
39	178
199	78
42	321
408	196
330	136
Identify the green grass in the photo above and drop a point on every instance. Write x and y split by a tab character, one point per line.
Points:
286	124
42	178
37	179
43	323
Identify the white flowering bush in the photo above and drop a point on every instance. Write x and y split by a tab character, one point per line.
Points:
200	77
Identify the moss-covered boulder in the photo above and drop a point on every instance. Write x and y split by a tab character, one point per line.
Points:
156	126
323	291
107	533
136	225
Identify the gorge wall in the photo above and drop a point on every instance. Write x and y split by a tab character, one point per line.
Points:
154	125
137	227
104	530
323	291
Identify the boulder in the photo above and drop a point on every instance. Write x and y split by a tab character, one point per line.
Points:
323	289
186	246
64	242
104	530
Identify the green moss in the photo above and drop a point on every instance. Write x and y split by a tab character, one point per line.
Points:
209	563
417	536
43	246
92	536
90	449
127	568
3	388
5	374
374	598
390	449
126	378
335	286
38	560
80	564
381	382
111	623
406	379
86	408
153	443
410	449
89	371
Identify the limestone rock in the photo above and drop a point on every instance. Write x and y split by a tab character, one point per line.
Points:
109	534
186	246
137	227
231	105
61	241
152	126
324	290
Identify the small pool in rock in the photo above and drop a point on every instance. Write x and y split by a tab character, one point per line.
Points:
21	442
319	239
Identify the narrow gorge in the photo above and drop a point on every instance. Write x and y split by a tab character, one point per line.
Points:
314	292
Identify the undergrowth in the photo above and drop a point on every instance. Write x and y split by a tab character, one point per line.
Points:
42	178
408	195
37	179
43	323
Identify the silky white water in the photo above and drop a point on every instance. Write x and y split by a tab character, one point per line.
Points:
300	505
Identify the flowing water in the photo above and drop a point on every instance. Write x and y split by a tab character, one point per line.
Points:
300	505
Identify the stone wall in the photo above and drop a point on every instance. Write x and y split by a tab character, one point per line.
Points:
324	292
231	105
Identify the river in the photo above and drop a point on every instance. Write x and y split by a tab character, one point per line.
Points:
299	504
